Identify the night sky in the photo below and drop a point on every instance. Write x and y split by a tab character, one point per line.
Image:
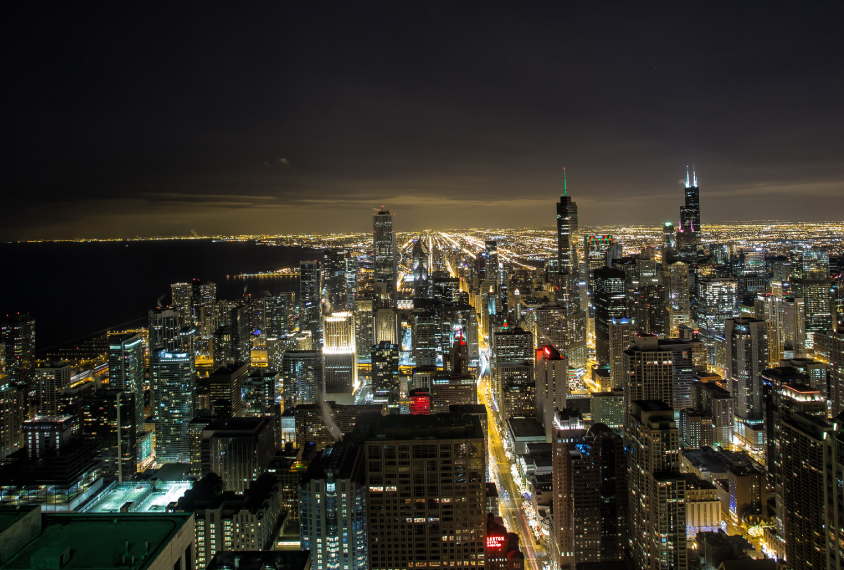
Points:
120	121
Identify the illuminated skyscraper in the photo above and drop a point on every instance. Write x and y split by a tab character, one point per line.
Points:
310	305
17	335
610	302
241	333
340	373
620	337
669	240
676	280
567	234
126	368
688	234
655	488
364	327
302	376
419	261
12	398
351	280
279	314
385	372
810	281
173	397
225	390
747	357
384	244
551	373
182	301
164	329
715	302
50	379
334	279
449	510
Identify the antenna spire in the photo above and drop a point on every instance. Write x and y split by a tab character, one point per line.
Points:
694	175
565	188
687	176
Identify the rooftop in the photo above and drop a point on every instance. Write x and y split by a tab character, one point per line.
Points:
139	497
100	540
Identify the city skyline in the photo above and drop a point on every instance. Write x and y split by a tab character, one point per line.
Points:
437	112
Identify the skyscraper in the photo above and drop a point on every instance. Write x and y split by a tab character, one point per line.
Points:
334	279
173	393
310	305
716	300
332	509
551	386
302	377
610	302
225	393
164	329
385	372
279	314
656	490
126	369
17	335
438	502
677	304
688	234
182	301
567	234
341	370
50	379
419	264
384	245
747	357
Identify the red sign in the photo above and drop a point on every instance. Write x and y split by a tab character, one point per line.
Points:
494	542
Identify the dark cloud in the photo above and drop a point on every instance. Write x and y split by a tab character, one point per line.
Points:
293	117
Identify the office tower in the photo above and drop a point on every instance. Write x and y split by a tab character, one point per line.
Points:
241	333
364	327
569	432
351	280
258	392
676	280
810	280
715	303
384	245
238	450
221	347
279	314
419	265
107	416
334	279
341	366
302	376
446	289
442	483
332	509
835	341
387	325
225	389
229	523
164	327
173	401
688	359
324	423
425	339
621	332
126	363
668	238
51	378
747	356
655	488
803	495
511	345
595	250
792	335
310	305
833	471
182	302
204	301
567	235
12	398
551	373
714	403
591	471
688	234
648	371
550	326
453	390
610	302
17	335
385	372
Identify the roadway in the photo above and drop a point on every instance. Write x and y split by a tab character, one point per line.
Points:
509	499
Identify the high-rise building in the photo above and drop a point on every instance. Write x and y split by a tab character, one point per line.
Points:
567	235
17	335
364	327
173	400
107	416
835	340
716	301
258	392
341	367
420	257
384	245
655	488
620	337
126	367
669	240
241	333
676	280
51	378
239	450
803	491
551	373
810	280
333	510
334	279
164	327
511	345
279	314
569	432
610	302
747	357
425	339
438	499
387	325
12	415
302	377
310	304
182	302
385	372
225	390
833	471
321	425
688	234
351	280
714	403
648	371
